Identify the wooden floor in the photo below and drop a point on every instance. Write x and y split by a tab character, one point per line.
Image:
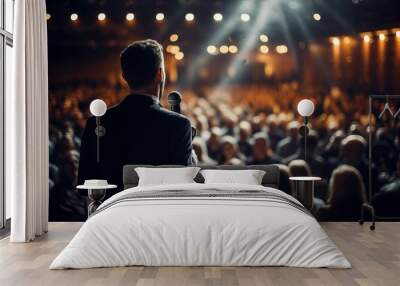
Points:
375	257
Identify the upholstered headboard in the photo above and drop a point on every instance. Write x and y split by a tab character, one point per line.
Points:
271	177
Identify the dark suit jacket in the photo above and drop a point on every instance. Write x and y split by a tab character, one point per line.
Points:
138	131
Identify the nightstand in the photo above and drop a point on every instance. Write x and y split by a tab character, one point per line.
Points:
304	190
96	193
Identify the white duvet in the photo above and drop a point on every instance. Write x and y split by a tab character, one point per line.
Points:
200	231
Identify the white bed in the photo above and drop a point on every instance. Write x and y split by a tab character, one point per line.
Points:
205	230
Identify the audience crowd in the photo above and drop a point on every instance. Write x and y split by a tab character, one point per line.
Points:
240	125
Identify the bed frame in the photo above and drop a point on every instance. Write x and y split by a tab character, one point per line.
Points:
272	177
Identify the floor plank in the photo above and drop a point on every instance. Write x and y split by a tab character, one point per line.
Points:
375	257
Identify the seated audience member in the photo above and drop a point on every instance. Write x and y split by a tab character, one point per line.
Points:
346	195
199	147
314	160
299	168
331	151
262	153
214	144
230	154
289	145
64	202
384	154
355	129
244	135
353	153
275	132
387	200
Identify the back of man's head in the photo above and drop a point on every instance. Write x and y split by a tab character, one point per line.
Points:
140	62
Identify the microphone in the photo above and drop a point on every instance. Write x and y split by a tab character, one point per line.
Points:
174	100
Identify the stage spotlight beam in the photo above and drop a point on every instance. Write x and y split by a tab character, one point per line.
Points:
247	44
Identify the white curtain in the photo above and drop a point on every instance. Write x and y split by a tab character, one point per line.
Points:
27	124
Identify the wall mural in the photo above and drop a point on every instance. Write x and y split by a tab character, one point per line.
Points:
243	109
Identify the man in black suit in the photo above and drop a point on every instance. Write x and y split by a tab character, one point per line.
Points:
138	130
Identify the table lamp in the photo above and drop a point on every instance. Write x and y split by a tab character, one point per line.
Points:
305	108
98	108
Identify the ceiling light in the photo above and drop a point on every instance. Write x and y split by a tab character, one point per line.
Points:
382	37
160	17
212	50
101	16
367	39
174	37
335	41
233	49
189	17
74	17
130	17
179	56
218	17
264	38
281	49
245	17
317	17
224	49
264	49
175	49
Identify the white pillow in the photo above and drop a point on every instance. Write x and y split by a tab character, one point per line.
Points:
166	176
247	177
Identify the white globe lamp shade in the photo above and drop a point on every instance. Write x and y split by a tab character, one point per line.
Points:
305	108
98	107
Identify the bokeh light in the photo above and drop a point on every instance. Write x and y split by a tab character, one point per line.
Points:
179	56
174	37
245	17
130	17
160	17
264	38
101	17
264	49
224	49
281	49
367	39
218	17
233	49
189	17
212	50
74	17
317	17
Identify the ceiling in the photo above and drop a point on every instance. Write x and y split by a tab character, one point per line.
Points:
284	21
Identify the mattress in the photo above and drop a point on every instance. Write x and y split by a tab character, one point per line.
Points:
201	225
